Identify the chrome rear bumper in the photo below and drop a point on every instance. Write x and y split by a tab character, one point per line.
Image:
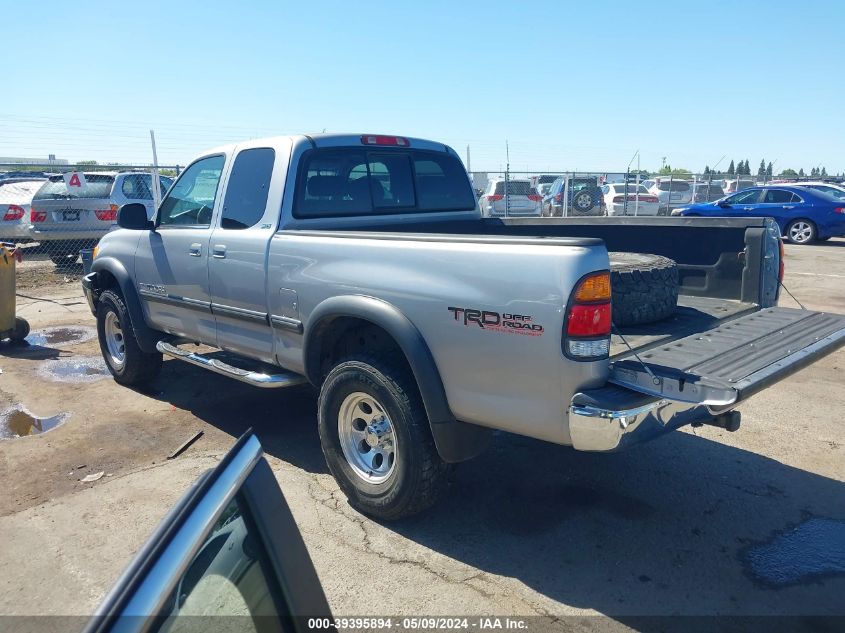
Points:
614	418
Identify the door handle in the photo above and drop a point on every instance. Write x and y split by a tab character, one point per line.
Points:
792	206
195	250
219	251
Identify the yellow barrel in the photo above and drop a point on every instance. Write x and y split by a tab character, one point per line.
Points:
7	289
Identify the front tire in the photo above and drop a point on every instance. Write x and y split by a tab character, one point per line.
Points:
126	361
801	231
376	438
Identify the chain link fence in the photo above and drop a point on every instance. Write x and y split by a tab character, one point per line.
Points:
56	213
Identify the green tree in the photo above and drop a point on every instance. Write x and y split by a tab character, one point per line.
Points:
769	169
789	173
707	170
800	172
731	169
761	170
823	173
674	171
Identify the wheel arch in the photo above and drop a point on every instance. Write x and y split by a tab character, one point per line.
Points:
455	441
111	274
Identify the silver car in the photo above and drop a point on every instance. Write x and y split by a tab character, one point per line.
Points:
15	198
73	212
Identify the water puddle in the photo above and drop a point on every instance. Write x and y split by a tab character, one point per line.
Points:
18	422
77	369
61	335
812	550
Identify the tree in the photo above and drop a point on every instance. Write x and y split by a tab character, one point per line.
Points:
746	168
823	173
707	170
731	169
769	169
761	170
86	162
790	173
668	170
800	172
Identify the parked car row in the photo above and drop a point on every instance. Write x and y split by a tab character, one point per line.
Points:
67	214
804	212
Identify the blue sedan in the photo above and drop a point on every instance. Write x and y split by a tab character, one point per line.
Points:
804	215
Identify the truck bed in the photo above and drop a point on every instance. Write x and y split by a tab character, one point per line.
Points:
694	314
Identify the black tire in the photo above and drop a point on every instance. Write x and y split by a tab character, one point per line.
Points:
139	367
21	330
644	288
419	477
801	231
583	203
62	260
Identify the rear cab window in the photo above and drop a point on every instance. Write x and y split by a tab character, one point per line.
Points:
96	186
337	182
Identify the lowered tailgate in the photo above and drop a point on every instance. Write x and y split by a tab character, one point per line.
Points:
725	365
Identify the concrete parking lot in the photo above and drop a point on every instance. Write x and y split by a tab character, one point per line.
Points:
528	528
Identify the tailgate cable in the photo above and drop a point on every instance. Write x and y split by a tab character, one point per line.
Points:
792	295
654	379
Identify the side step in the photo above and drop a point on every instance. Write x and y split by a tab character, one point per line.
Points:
255	378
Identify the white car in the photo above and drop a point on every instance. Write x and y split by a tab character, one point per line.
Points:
671	191
837	191
15	200
640	201
521	201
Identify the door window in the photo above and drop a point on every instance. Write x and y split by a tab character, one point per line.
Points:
777	196
247	189
191	199
744	197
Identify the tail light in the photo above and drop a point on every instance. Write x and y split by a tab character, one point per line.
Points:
649	199
37	216
109	214
588	318
378	139
839	210
535	197
494	197
618	199
14	212
558	197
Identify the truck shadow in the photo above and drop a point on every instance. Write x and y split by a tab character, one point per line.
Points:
662	529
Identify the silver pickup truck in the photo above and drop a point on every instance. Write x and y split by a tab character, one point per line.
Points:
362	265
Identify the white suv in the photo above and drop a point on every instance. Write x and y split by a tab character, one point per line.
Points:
521	201
671	191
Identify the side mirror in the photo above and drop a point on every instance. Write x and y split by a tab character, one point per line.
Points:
133	216
724	205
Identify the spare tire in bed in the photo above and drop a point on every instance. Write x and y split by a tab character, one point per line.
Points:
644	288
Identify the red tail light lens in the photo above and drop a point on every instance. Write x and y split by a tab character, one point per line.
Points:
109	215
589	320
14	212
839	210
378	139
494	197
558	197
535	197
649	199
618	199
37	216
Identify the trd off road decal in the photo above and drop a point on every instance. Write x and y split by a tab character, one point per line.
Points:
497	321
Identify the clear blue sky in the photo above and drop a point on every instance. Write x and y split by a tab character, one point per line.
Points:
569	84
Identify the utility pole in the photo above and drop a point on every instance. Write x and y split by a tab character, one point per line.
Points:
662	158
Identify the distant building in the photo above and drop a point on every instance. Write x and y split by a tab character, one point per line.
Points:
50	160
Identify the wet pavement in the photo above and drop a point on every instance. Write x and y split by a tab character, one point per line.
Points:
813	550
18	422
76	369
61	335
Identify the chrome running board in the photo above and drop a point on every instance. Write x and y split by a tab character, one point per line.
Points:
256	378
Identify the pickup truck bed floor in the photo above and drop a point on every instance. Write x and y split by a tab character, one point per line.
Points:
694	314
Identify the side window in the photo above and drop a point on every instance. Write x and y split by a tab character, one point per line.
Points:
796	198
247	189
137	187
191	199
744	197
777	196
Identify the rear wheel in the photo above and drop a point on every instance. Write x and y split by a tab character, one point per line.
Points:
126	361
583	202
376	438
800	231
